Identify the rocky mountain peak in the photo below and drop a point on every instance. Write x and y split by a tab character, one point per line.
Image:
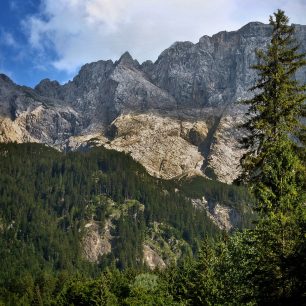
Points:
47	81
127	60
147	66
93	72
49	88
185	103
252	25
255	29
5	80
176	50
205	40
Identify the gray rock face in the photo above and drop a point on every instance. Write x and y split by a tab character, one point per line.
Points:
27	116
188	83
215	71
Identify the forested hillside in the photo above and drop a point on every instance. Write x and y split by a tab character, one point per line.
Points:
48	199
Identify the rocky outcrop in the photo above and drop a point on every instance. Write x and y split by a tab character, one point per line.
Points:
190	93
152	259
40	123
163	145
225	217
96	242
97	237
13	131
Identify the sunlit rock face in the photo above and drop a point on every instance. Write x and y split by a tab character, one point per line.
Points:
177	116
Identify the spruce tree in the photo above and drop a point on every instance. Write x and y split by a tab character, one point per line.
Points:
274	168
275	110
274	126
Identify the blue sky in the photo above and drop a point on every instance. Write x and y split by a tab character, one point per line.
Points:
18	59
53	38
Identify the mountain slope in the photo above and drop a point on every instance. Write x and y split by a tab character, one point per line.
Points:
85	210
190	93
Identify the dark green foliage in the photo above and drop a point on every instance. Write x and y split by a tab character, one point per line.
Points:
87	292
237	197
46	197
130	227
116	288
149	289
274	168
231	195
195	282
278	104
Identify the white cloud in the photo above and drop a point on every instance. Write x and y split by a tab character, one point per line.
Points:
7	39
81	31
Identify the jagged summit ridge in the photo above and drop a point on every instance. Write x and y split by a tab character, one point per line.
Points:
127	60
189	86
5	78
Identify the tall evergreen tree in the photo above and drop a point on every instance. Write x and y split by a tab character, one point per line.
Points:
273	123
278	103
273	170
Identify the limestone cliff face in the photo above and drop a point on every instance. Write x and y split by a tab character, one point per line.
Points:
225	151
167	147
27	117
177	116
215	71
164	145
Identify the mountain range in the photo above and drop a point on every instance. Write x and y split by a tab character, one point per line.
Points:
177	116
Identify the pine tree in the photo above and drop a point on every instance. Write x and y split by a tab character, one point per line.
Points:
275	109
272	167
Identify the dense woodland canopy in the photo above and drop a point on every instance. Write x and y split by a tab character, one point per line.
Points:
46	197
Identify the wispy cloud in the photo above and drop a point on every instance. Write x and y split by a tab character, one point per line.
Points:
7	39
81	31
13	5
